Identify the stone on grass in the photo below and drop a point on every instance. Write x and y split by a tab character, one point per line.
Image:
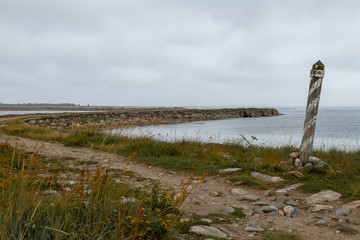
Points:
266	178
253	229
250	198
323	196
50	193
297	163
227	156
308	165
291	187
238	191
229	170
313	160
352	205
319	207
294	155
343	211
207	231
206	220
295	174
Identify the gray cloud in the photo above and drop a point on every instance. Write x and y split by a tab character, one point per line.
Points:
174	53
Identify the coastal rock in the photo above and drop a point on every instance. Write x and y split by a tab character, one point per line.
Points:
352	205
288	210
292	203
207	231
266	178
229	170
348	229
228	210
268	209
343	211
321	223
277	202
323	196
258	210
253	229
238	191
253	223
319	207
250	198
291	187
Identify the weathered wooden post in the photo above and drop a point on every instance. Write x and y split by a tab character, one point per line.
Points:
317	75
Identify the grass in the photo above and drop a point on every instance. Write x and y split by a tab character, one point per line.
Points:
277	235
95	207
197	157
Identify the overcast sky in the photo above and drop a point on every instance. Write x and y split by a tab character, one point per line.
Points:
178	52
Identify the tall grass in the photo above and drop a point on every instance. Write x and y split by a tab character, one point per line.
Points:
94	208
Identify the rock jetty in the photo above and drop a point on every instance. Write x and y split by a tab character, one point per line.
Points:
146	117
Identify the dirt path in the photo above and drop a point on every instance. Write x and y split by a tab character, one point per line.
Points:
200	201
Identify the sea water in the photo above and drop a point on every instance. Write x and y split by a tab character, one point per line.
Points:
337	127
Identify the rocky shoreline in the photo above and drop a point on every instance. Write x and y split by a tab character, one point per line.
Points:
146	117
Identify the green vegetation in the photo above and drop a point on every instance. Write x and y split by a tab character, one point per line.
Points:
95	207
279	236
199	157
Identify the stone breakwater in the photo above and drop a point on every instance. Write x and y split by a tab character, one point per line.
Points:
146	117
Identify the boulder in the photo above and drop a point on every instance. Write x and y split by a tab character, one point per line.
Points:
249	198
253	229
266	178
319	207
343	211
352	205
238	191
207	231
229	170
294	155
323	196
288	210
291	187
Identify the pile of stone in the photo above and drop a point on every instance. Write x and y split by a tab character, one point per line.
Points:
295	162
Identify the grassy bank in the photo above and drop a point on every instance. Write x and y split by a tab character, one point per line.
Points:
207	157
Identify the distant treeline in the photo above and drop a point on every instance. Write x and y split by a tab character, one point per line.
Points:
39	105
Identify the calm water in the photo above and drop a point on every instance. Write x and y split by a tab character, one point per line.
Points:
336	127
